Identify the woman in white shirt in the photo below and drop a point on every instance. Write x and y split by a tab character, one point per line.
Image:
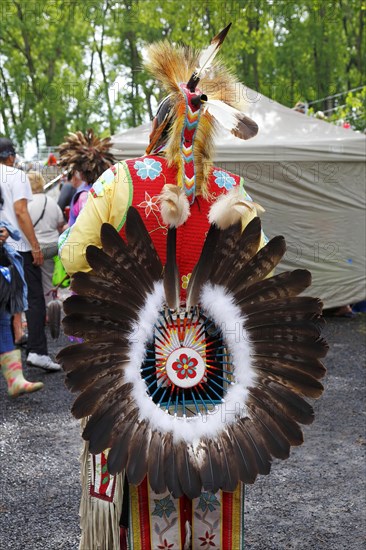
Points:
48	222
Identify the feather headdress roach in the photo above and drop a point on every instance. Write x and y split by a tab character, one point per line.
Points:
86	153
201	394
202	94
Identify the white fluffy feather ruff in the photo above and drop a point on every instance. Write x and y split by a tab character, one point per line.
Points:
231	208
174	205
220	306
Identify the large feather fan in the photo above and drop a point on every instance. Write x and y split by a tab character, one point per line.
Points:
200	395
86	153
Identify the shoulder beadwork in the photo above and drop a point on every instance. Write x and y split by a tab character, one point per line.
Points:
105	181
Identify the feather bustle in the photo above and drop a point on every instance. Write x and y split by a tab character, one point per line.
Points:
291	375
247	469
130	275
171	467
286	424
285	346
87	284
277	287
230	475
156	459
142	247
259	266
93	326
138	446
258	445
110	382
203	268
291	404
210	465
241	246
89	354
187	469
108	311
118	454
277	444
81	377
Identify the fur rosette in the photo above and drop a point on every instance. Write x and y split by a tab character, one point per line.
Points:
174	205
233	207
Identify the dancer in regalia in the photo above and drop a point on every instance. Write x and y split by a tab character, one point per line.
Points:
195	360
84	157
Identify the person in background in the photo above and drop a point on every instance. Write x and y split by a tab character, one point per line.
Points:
67	192
301	107
20	337
48	223
80	196
52	160
10	357
16	192
85	156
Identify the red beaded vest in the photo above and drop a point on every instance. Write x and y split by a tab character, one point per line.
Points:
149	174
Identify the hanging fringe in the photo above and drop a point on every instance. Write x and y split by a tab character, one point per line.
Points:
99	519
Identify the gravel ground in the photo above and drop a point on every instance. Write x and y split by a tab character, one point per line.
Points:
314	500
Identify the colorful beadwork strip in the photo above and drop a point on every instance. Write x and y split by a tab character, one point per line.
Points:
191	120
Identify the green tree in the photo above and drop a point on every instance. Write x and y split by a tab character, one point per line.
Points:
353	111
73	65
40	59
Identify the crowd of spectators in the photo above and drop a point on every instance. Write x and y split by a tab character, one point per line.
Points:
30	224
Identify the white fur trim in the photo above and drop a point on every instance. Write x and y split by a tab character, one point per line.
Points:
142	332
231	208
220	307
174	205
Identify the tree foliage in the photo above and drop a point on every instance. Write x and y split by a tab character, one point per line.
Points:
353	111
68	64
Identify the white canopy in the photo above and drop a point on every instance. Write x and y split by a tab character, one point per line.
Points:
309	175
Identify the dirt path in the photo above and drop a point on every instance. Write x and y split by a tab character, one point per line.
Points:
314	500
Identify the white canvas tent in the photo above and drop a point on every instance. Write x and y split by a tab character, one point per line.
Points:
309	175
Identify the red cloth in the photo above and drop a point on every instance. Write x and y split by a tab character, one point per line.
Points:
191	235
